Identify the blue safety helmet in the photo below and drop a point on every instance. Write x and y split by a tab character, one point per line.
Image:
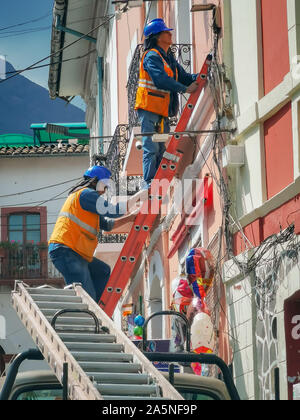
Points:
155	27
100	172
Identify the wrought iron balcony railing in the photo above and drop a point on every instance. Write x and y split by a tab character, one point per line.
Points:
26	262
104	238
182	53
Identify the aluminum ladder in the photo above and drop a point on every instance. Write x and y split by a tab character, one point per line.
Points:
72	331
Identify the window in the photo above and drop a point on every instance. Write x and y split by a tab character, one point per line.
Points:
151	10
24	232
24	228
39	392
198	394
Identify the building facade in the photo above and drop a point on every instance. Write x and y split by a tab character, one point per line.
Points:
261	276
248	161
36	179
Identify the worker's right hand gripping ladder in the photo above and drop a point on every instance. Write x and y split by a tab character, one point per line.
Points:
71	330
145	219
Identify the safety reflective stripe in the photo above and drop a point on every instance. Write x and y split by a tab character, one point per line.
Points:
79	222
149	85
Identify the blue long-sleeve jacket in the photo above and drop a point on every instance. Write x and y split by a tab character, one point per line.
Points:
91	201
154	66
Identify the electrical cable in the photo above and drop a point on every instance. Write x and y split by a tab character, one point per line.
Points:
58	51
9	34
58	62
25	23
24	32
41	188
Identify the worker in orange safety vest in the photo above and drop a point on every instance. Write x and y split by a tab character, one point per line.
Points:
161	79
74	238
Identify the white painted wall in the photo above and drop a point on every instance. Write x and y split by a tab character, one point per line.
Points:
244	63
111	117
156	292
242	56
19	175
183	22
249	186
250	329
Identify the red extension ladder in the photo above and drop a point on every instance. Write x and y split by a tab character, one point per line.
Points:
145	219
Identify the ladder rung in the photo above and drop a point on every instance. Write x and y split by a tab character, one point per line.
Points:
49	313
73	321
50	291
61	305
81	337
92	347
57	298
68	328
120	378
116	389
94	357
110	367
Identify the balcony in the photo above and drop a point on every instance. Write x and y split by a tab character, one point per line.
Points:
29	263
114	157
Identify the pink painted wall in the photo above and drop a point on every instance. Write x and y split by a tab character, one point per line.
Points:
275	42
202	35
202	45
279	150
130	23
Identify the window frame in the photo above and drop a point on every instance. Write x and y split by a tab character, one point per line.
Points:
9	211
42	211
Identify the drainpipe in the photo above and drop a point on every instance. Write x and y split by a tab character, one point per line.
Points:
100	102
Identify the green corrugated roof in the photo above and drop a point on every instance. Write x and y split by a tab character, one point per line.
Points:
42	136
18	140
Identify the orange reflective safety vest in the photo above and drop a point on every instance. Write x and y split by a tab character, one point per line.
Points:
148	96
76	228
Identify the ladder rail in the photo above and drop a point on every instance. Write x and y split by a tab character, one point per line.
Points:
51	346
133	246
167	389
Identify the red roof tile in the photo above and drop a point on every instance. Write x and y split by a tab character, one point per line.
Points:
45	150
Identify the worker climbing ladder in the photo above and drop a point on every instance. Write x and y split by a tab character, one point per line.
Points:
145	219
75	336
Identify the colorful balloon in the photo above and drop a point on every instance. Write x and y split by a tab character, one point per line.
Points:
200	270
182	294
139	320
138	331
199	368
202	332
200	273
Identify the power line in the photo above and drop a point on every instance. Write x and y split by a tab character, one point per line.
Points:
39	189
33	202
25	32
25	23
58	51
58	62
11	34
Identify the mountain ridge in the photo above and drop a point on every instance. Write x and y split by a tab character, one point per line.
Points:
23	102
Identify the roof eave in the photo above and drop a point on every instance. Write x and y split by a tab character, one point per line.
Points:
57	41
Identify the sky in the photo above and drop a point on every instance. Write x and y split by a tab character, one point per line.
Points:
25	44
